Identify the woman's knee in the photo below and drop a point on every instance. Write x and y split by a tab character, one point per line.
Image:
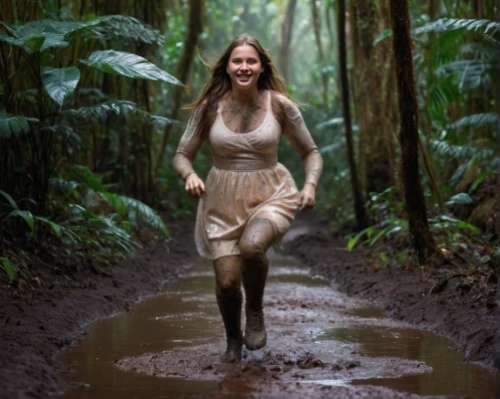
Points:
228	274
228	286
250	250
257	238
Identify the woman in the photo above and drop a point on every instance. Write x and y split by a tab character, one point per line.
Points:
249	200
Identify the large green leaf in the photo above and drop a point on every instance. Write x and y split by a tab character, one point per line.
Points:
60	82
26	215
460	199
9	267
14	124
56	229
112	27
92	180
42	35
127	64
10	199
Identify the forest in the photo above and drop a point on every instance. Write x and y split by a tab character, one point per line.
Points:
401	97
92	96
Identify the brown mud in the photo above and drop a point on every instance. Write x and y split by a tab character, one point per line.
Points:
320	359
468	314
37	323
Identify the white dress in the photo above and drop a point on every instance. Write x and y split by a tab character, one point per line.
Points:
246	182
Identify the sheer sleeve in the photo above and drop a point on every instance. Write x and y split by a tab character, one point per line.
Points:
189	145
296	131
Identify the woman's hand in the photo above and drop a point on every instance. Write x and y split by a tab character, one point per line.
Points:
194	185
307	197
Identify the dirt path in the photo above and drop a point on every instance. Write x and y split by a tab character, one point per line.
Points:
321	344
465	313
302	348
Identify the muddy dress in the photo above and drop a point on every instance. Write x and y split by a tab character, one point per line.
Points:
246	181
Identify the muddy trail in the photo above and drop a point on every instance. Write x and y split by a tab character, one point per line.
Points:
322	343
336	328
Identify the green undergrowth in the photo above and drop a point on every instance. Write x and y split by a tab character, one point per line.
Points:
470	253
84	221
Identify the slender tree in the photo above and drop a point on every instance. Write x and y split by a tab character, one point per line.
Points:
321	55
195	27
422	239
361	217
286	39
497	224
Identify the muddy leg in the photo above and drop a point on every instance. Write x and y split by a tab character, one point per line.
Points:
257	238
229	299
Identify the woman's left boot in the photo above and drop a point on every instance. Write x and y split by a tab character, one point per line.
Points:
230	309
254	280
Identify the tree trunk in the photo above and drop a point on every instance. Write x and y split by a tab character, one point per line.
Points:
361	217
321	57
497	216
422	240
286	38
372	70
195	27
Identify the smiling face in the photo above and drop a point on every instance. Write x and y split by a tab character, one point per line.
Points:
244	67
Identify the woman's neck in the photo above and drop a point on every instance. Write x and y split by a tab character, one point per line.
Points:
244	98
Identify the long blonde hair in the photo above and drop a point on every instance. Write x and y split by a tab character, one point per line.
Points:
220	83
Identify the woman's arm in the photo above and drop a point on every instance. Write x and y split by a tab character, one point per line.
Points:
188	147
296	131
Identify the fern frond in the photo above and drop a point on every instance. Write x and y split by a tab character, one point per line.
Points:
442	93
470	74
477	120
484	26
144	212
477	51
121	108
443	148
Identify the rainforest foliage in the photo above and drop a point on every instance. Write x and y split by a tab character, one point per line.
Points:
91	115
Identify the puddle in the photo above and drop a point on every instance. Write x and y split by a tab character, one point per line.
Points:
319	341
450	375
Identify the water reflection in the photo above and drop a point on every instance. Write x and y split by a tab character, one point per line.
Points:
186	315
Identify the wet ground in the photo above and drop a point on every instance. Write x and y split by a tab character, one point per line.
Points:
321	343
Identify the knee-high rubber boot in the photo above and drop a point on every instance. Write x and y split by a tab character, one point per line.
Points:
254	280
230	309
